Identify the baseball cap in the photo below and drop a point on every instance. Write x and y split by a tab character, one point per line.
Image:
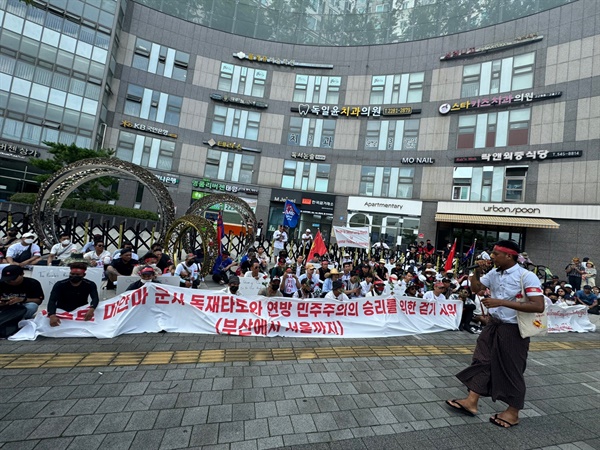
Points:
11	273
146	271
234	280
569	286
587	286
274	279
310	266
308	230
29	234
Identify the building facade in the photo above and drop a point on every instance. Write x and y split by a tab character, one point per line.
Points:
470	126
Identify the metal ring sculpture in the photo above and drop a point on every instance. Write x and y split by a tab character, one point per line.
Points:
201	206
56	189
177	237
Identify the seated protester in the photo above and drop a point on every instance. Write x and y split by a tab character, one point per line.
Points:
464	295
272	289
352	288
164	260
569	294
553	296
233	285
586	297
255	272
450	286
279	269
337	292
428	279
397	270
298	266
189	272
305	291
246	261
411	290
378	288
128	246
316	259
330	277
381	271
366	285
24	253
89	246
552	282
98	257
346	259
411	266
147	275
122	266
561	300
73	293
311	274
437	295
222	264
262	257
7	241
149	259
364	271
323	270
18	291
61	251
289	283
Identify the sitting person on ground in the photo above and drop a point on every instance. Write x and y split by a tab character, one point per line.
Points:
337	292
18	291
289	283
381	272
469	307
255	272
73	293
233	285
89	245
246	261
298	266
437	295
189	272
378	288
279	269
410	290
122	266
164	260
305	291
263	258
61	251
99	256
147	275
149	259
569	293
586	297
126	246
272	289
8	240
222	265
366	285
24	253
324	269
330	277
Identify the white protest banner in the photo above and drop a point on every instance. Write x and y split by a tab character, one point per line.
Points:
123	281
48	275
153	308
352	237
569	318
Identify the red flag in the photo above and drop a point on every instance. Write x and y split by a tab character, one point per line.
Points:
318	246
450	260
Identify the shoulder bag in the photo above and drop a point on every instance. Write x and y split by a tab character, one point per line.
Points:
531	324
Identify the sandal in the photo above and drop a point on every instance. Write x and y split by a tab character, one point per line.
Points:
460	408
500	422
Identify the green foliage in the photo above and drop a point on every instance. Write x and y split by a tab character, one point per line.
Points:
64	155
93	207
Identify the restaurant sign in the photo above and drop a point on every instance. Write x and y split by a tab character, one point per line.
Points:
518	156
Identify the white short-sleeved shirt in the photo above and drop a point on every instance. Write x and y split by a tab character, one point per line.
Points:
63	252
431	297
18	248
506	285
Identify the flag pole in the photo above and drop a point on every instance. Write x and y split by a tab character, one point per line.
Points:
473	254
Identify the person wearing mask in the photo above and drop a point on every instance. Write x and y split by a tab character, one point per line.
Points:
272	289
147	275
61	251
189	272
73	293
337	292
378	288
98	257
233	285
149	259
305	290
24	253
18	291
122	266
7	241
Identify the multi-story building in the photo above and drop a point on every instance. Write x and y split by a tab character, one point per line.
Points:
419	119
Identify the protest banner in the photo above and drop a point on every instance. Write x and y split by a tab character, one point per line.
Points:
352	237
562	319
155	308
123	281
49	275
249	287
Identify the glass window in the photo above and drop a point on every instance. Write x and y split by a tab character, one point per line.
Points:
466	131
317	89
398	88
497	76
390	182
515	184
305	176
392	135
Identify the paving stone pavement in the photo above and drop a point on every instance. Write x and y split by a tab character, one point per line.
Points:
382	402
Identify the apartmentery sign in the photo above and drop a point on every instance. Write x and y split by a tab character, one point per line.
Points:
385	205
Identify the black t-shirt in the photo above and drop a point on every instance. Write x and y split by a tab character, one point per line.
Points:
138	284
164	262
66	296
29	288
124	268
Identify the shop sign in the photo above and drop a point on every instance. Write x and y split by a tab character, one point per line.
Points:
197	195
279	61
308	156
550	211
206	183
385	205
418	160
147	128
518	156
15	151
231	146
307	202
495	102
354	111
238	101
474	51
167	179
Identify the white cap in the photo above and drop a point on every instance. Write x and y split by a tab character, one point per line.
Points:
308	230
29	235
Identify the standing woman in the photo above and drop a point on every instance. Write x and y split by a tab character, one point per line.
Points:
500	355
590	273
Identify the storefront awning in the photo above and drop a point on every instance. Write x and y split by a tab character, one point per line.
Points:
509	221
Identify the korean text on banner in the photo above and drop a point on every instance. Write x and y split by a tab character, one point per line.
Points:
352	237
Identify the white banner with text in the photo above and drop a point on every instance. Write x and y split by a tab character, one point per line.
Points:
352	237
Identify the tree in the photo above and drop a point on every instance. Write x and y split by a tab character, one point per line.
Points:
64	155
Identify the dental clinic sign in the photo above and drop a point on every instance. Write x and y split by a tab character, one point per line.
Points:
581	212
